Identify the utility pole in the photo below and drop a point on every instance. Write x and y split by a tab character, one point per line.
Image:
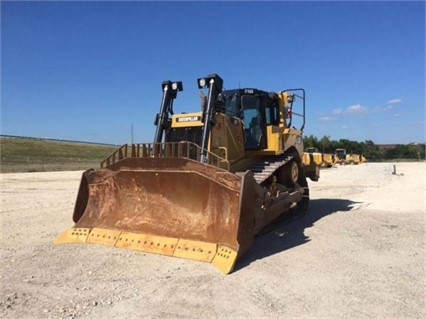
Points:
131	132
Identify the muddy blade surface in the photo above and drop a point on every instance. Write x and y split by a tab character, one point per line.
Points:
175	207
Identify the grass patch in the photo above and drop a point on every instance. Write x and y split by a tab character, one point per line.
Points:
27	154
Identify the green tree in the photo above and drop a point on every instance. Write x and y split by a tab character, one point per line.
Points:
310	141
418	150
398	152
325	145
334	145
371	151
409	151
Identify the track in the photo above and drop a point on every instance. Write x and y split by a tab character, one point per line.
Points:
263	170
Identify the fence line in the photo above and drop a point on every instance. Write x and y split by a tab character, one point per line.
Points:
56	140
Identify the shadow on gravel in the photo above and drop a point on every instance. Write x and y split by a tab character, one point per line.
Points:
290	230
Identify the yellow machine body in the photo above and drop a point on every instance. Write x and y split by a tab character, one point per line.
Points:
204	192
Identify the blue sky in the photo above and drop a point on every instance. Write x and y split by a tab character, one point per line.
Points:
90	70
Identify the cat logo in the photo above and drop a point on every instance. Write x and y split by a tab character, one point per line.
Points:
189	119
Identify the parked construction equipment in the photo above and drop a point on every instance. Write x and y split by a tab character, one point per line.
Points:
355	159
329	159
209	182
319	158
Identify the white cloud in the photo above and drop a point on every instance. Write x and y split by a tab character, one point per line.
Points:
326	119
382	108
356	109
395	101
337	111
345	127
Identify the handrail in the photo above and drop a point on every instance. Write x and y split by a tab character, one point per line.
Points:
182	149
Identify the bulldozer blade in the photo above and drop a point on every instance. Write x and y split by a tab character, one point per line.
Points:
147	243
103	236
72	235
225	259
169	206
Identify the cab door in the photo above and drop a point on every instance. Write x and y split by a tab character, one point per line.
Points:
254	122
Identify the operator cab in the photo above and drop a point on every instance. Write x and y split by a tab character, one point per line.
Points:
257	109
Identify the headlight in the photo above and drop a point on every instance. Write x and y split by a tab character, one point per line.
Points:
177	86
174	86
201	83
209	79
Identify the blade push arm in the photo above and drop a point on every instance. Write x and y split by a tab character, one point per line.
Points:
170	90
215	83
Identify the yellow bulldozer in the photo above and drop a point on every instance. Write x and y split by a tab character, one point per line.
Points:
329	159
355	159
209	182
312	154
343	157
340	156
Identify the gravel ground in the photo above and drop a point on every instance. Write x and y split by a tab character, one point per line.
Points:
358	253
